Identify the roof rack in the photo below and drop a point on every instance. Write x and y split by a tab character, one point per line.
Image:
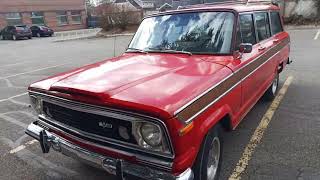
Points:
213	3
274	2
244	2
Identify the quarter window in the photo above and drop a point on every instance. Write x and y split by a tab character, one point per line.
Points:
247	29
276	25
62	18
76	17
263	26
13	19
37	18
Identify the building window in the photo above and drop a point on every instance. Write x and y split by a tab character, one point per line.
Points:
37	18
62	18
76	17
13	19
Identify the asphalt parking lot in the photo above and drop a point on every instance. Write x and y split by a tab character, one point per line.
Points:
290	147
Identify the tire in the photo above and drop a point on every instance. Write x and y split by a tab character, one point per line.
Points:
1	37
38	35
271	93
14	37
210	148
30	37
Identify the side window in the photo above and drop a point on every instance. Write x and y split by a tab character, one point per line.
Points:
276	25
247	29
262	25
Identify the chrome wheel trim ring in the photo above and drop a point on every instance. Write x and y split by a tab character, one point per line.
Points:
275	85
213	159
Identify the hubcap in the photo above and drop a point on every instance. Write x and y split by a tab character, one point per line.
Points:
275	85
213	159
38	35
14	37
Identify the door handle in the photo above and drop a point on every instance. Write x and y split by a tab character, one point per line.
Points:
261	48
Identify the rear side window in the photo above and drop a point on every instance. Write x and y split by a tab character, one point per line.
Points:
276	25
263	26
247	29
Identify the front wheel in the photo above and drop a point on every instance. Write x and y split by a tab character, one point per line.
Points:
208	162
273	89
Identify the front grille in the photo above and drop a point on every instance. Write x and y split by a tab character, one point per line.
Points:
106	127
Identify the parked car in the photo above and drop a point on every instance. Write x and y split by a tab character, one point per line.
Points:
41	31
156	112
16	32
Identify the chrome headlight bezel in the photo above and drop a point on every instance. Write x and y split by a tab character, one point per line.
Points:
36	104
160	146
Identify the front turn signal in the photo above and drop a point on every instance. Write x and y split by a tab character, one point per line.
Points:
186	129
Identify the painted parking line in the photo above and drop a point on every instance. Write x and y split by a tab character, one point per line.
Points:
41	69
317	35
21	147
1	100
258	133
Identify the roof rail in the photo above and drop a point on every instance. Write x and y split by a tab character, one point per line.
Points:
230	2
214	3
274	2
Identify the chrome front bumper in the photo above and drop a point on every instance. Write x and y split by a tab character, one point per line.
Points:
113	166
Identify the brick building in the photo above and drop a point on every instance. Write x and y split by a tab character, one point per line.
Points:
60	15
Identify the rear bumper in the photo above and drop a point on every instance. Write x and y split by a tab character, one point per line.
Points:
24	35
116	167
47	33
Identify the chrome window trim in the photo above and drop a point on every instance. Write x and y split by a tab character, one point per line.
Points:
140	158
108	112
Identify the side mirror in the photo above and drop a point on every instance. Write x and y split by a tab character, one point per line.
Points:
245	48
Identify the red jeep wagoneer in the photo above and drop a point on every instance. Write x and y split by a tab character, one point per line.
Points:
156	111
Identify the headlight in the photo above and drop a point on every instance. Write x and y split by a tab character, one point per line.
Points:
36	104
150	136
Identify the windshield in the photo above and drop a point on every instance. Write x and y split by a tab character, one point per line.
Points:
205	32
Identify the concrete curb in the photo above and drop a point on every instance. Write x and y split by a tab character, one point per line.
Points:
114	35
75	38
92	36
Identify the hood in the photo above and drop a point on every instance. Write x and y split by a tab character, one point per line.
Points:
150	81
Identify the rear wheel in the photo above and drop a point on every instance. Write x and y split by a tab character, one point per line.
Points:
38	35
273	89
208	162
1	37
30	37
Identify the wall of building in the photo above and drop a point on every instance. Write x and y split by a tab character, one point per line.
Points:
48	7
45	5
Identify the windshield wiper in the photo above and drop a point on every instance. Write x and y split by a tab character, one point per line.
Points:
168	51
136	50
